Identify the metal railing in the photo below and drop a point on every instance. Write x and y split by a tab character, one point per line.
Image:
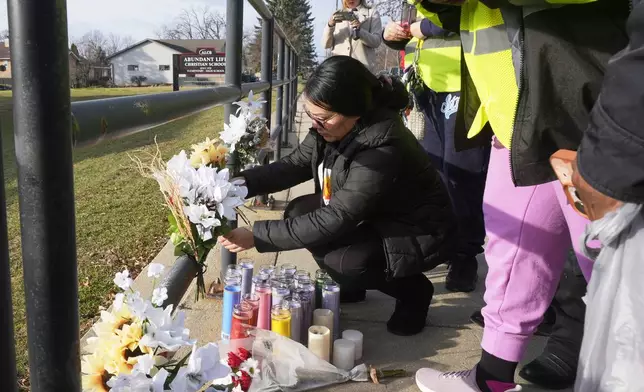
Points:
44	129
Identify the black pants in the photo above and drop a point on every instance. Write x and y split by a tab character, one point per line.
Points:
568	331
357	261
463	172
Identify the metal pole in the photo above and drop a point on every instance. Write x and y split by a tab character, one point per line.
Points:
8	380
296	63
43	139
291	98
267	76
280	97
175	72
287	95
234	32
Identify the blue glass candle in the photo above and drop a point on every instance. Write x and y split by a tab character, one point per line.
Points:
232	296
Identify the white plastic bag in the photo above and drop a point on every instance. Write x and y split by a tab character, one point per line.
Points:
286	365
612	352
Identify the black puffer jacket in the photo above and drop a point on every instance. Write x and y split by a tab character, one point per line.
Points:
560	55
381	176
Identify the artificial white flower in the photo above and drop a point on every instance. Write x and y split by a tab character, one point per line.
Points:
137	305
118	301
155	270
159	295
203	367
238	388
250	366
144	364
228	380
234	131
123	280
205	219
251	108
165	331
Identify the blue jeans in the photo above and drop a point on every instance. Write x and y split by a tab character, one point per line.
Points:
463	172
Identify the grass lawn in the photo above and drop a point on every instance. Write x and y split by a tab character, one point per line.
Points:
120	219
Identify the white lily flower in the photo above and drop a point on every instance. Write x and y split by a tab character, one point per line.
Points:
158	381
205	219
155	270
233	132
144	364
251	108
118	301
159	295
137	305
123	280
165	331
203	367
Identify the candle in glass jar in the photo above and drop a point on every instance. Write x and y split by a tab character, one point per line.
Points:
331	301
295	306
266	269
242	314
323	317
281	321
300	275
247	276
320	278
356	337
234	270
320	341
259	278
232	296
344	354
288	269
252	300
307	314
263	291
280	291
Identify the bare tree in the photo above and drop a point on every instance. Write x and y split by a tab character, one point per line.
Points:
195	23
389	8
386	58
116	43
4	34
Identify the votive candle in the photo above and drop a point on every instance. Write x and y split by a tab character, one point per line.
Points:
247	276
280	291
295	307
320	278
259	278
288	269
307	313
263	291
232	296
281	321
344	354
356	337
252	300
324	317
266	269
331	301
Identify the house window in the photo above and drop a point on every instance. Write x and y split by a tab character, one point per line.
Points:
132	67
164	67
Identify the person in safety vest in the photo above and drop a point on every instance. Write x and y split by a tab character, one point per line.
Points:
434	55
532	73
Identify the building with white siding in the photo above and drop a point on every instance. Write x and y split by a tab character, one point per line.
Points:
152	58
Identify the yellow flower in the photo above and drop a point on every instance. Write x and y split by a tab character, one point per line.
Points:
95	376
218	154
113	321
203	146
199	158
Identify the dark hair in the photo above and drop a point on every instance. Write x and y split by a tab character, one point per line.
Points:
342	84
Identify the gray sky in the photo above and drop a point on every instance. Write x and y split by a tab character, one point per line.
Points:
142	18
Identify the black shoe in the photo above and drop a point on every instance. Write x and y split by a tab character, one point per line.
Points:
550	372
410	316
352	296
544	329
462	275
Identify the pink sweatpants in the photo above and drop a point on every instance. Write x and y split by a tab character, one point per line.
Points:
529	231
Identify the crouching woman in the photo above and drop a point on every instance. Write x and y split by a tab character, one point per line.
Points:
380	215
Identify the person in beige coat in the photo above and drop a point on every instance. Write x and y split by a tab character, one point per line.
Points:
358	38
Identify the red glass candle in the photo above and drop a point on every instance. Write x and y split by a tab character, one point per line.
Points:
252	300
242	314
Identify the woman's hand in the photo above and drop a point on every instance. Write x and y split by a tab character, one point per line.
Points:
238	240
332	20
355	24
395	32
415	30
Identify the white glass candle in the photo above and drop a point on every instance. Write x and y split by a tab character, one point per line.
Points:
320	341
323	317
356	337
344	353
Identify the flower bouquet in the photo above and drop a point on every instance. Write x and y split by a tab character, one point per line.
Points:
201	197
247	132
135	340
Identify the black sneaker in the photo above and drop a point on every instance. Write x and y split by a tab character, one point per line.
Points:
462	276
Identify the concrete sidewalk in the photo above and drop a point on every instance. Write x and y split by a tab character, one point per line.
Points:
450	342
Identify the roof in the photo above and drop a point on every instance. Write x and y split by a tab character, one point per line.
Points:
5	52
180	45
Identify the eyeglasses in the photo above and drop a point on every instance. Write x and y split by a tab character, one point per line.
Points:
320	123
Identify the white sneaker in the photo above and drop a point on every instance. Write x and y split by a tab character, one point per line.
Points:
430	380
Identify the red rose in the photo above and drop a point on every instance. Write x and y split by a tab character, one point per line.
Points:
234	361
245	381
243	354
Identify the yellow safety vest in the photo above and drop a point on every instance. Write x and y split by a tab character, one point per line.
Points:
488	55
438	62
